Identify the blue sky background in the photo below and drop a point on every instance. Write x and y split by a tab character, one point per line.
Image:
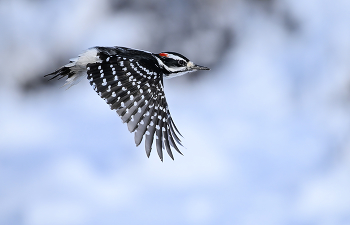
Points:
266	130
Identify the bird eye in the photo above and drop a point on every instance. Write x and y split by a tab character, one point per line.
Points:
182	63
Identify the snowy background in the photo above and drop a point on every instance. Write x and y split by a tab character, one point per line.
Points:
266	130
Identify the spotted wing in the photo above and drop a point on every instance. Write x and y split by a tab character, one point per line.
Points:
137	95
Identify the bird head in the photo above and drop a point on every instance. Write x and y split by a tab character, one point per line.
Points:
175	64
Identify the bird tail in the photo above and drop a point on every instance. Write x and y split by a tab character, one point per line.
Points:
69	71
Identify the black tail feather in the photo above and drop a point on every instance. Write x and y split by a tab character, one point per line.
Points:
61	73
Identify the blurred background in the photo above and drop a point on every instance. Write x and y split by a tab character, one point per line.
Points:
266	129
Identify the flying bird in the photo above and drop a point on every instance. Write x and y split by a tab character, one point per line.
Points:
131	83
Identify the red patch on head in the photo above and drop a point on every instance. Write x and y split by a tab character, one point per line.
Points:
163	54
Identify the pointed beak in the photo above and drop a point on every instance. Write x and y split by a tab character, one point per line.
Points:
198	67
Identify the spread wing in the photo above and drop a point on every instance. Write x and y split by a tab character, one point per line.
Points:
134	89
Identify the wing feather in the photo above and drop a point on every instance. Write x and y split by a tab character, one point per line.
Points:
144	122
150	134
159	136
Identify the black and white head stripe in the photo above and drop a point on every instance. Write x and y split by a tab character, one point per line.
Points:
174	64
131	83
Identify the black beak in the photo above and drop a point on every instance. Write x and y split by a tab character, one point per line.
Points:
198	67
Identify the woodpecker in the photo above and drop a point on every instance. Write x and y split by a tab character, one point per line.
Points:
131	83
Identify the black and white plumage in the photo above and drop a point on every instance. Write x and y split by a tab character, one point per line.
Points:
131	82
